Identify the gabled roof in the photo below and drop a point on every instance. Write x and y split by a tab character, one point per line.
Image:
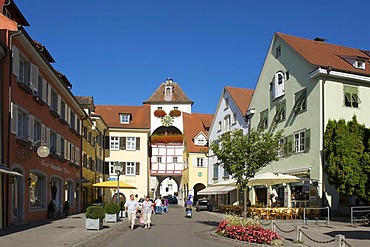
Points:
241	96
16	14
140	116
178	96
194	124
44	51
323	54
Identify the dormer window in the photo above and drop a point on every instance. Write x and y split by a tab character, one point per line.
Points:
360	64
125	118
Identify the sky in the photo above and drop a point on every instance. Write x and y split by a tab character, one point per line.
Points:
120	51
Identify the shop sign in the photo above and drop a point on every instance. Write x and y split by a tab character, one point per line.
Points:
54	167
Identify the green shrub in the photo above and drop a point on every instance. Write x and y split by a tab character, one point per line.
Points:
111	208
95	212
235	220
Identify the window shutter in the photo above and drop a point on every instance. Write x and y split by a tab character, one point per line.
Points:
150	151
14	118
307	140
123	168
289	145
49	96
30	128
59	139
137	143
15	61
137	168
44	89
122	143
43	133
65	149
34	77
59	106
78	156
106	168
47	137
106	142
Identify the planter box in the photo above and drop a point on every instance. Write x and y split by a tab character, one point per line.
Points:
111	218
93	224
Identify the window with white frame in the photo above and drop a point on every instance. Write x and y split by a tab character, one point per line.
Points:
278	85
200	162
36	131
219	126
37	191
130	143
280	112
227	123
159	160
263	123
227	102
234	118
174	160
351	98
22	124
281	150
200	141
130	168
53	142
114	143
299	141
360	64
54	100
215	171
22	71
125	118
300	104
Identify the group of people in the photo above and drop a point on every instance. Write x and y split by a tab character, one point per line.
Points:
147	209
161	205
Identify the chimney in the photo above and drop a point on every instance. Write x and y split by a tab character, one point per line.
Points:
320	39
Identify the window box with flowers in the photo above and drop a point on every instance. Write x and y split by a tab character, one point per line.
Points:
167	138
159	113
175	113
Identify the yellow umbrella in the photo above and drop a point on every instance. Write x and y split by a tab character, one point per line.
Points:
114	184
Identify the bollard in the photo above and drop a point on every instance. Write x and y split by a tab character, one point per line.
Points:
297	233
273	225
339	240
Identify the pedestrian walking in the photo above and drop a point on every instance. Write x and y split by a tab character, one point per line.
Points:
158	205
131	207
147	209
166	204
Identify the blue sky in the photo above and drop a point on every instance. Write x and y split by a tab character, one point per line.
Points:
119	51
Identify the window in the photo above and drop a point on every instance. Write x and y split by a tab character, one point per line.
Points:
360	64
263	123
281	151
219	126
22	129
200	142
215	172
226	103
300	104
73	120
278	51
351	98
287	75
53	142
21	72
54	101
62	141
159	160
36	131
226	174
37	185
280	112
40	85
278	87
234	118
130	168
114	143
174	159
227	123
63	110
69	193
125	118
301	141
130	143
200	162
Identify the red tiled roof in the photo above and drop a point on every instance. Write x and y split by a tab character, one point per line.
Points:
140	116
178	96
241	96
323	54
194	124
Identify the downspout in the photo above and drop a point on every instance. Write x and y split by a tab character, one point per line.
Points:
328	70
10	51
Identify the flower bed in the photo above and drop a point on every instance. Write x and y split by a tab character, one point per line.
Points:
247	230
167	138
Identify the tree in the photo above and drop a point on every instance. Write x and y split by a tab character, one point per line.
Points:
346	153
242	156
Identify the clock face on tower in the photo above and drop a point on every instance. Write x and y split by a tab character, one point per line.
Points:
167	120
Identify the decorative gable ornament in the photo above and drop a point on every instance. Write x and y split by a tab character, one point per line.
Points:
160	113
175	113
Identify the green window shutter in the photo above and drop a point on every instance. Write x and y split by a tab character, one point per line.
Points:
307	140
289	145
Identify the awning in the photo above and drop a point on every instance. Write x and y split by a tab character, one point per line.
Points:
114	184
6	170
216	190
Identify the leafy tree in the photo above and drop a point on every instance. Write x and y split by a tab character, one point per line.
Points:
242	156
346	153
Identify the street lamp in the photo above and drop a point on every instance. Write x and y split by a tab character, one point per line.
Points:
118	169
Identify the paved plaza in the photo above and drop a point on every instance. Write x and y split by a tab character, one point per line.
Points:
172	229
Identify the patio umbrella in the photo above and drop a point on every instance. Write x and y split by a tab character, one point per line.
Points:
270	178
114	184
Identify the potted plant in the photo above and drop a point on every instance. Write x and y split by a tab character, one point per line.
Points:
51	210
66	208
94	218
111	212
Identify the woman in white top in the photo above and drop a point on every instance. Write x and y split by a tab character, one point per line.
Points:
146	210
